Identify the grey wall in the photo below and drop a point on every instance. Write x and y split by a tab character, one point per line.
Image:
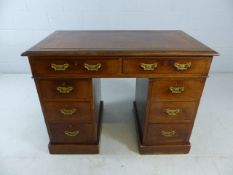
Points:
25	22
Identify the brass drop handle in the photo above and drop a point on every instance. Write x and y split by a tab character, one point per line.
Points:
149	67
168	133
60	67
68	111
92	67
172	112
176	90
182	66
71	133
64	90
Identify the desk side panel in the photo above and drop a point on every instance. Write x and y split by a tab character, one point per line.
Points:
96	83
141	100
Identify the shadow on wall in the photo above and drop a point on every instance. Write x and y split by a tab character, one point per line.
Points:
118	95
118	112
119	126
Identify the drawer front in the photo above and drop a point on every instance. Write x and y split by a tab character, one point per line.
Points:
71	133
78	89
168	133
168	112
163	66
68	111
177	90
53	67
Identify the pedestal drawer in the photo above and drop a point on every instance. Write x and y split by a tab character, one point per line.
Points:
65	89
68	111
169	112
177	89
63	67
72	133
166	66
168	133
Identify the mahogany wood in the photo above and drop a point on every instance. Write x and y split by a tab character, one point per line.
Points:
160	89
68	111
166	65
141	96
81	89
186	111
171	68
158	149
66	148
119	43
76	66
155	133
86	132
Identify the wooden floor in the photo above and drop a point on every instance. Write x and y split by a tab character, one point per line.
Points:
24	140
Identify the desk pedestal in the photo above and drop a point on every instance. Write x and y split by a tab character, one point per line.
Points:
164	119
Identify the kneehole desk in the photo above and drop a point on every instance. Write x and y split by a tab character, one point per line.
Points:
170	68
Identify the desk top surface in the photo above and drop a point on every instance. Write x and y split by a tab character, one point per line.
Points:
114	43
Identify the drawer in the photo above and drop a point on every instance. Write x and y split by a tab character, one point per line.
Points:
168	112
78	89
68	111
71	133
168	133
177	90
53	67
166	66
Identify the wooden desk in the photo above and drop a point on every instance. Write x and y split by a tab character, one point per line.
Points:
171	69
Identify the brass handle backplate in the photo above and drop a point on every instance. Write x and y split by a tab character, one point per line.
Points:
64	90
68	111
92	67
168	133
176	90
172	112
182	66
150	67
60	67
71	133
